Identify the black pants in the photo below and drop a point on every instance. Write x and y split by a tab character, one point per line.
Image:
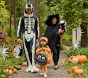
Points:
56	53
28	46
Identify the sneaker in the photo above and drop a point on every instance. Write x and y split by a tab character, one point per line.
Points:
45	75
34	69
41	73
29	69
56	67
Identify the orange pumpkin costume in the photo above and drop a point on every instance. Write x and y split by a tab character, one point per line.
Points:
46	50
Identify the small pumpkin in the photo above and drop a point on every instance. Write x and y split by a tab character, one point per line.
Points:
74	68
15	70
79	72
71	57
24	64
11	67
75	60
10	72
82	59
70	60
6	71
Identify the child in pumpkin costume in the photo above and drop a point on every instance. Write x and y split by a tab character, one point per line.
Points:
45	56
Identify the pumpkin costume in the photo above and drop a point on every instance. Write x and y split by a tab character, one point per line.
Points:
44	49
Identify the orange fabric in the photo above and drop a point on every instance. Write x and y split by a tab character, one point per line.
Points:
43	68
47	51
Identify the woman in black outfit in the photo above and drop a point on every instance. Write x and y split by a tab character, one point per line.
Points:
53	33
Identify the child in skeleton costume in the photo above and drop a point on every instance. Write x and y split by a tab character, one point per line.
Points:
28	25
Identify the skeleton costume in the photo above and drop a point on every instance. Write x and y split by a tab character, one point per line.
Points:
28	25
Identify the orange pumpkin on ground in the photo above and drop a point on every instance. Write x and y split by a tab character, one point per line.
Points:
10	72
24	64
82	59
15	70
6	71
75	60
74	68
71	57
79	72
70	60
11	67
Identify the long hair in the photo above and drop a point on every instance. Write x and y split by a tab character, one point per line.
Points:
48	22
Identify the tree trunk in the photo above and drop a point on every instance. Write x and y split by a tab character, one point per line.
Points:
14	12
35	7
10	19
84	37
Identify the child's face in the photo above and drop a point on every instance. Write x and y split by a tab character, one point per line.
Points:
43	43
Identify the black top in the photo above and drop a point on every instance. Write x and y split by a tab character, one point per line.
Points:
53	37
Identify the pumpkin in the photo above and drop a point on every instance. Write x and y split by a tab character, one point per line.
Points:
74	68
75	60
11	67
82	59
24	64
15	70
78	56
70	60
6	71
79	72
10	72
71	57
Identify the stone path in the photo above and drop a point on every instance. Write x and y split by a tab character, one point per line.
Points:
60	73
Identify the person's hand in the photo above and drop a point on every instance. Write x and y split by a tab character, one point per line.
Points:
18	40
37	40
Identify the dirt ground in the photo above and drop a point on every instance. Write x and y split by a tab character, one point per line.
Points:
60	73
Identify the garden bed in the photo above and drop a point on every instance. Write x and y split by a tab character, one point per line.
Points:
74	61
10	64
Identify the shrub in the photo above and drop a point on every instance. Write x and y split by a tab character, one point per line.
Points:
79	51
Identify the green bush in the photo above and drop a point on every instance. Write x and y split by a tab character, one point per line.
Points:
67	39
13	31
79	51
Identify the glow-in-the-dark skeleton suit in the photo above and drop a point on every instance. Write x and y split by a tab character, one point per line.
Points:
29	26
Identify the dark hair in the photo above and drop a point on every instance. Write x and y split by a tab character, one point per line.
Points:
50	17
